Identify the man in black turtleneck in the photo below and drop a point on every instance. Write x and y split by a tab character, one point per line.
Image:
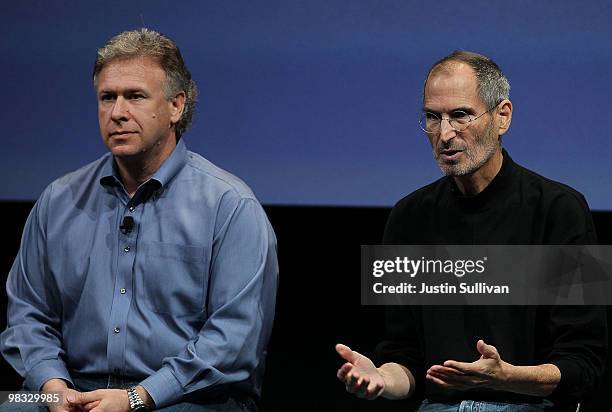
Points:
483	358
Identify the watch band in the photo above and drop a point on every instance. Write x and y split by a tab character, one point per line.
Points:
136	402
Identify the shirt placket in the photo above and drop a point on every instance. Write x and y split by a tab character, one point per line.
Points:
123	292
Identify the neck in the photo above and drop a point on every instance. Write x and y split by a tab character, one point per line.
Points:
472	184
135	170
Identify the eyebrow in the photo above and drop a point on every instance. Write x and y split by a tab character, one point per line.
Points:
466	109
126	91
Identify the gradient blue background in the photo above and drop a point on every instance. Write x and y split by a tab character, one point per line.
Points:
315	102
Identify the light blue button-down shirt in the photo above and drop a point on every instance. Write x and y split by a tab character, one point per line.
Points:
184	300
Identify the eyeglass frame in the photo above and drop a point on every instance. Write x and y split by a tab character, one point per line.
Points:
449	120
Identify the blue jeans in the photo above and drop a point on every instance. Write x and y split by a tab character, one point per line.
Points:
85	384
482	406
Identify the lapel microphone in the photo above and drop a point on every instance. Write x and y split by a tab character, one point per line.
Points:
127	225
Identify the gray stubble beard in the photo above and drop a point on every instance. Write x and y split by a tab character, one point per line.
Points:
483	149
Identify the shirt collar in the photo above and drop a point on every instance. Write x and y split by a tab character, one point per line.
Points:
172	165
166	172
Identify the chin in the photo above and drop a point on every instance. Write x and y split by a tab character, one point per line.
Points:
124	151
449	168
455	169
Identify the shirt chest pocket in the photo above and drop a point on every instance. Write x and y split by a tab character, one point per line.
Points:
173	278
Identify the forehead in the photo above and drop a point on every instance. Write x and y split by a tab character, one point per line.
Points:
136	72
451	86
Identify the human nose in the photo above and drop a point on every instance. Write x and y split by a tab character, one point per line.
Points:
447	131
120	110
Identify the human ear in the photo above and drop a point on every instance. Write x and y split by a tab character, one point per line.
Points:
504	116
177	107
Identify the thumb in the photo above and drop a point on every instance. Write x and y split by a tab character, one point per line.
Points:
81	398
346	353
487	351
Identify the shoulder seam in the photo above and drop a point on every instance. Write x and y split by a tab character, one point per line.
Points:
232	185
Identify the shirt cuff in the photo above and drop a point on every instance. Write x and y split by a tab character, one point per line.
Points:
569	387
163	387
45	370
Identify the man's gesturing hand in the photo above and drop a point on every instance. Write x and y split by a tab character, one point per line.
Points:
490	371
359	374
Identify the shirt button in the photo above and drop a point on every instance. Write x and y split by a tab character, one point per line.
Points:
117	330
132	208
122	290
126	249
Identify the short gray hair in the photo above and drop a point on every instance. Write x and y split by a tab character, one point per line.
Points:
491	83
149	43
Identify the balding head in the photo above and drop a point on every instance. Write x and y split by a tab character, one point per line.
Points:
491	84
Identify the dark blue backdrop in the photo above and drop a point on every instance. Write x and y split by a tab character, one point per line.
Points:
315	102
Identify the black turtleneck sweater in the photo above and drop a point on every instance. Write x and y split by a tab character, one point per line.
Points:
518	207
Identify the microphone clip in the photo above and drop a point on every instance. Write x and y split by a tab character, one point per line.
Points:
127	225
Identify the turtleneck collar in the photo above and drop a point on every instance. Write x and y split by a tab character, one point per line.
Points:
494	191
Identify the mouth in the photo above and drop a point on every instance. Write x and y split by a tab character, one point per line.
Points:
120	133
450	154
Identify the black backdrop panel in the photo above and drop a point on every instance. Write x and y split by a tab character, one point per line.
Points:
318	302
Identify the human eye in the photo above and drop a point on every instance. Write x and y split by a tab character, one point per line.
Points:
431	116
107	97
136	96
460	116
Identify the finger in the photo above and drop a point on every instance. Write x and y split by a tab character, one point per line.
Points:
449	382
457	381
362	383
72	397
81	398
72	408
99	408
447	369
350	388
373	390
352	377
436	380
450	378
352	382
361	387
464	367
91	405
488	351
450	373
441	375
344	370
349	382
346	353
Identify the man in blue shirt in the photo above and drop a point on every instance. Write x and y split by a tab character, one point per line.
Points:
146	279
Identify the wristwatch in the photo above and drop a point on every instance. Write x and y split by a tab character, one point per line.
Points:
136	402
